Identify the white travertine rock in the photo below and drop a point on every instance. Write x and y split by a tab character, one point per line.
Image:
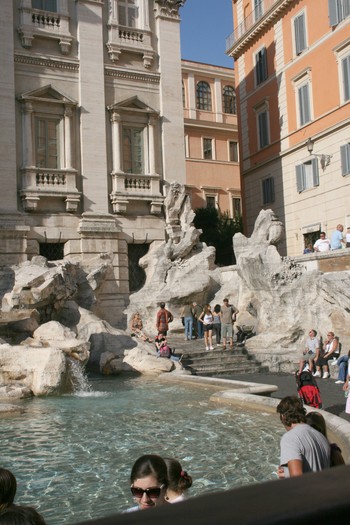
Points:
43	370
142	362
284	301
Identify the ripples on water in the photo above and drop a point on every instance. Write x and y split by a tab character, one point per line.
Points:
72	455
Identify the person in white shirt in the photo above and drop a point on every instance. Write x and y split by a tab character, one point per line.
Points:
322	244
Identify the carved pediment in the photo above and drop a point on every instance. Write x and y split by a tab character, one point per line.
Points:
133	104
47	93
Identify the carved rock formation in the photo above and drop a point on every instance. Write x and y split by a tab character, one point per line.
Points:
282	300
179	269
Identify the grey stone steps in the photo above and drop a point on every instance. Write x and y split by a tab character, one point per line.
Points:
215	362
227	371
215	359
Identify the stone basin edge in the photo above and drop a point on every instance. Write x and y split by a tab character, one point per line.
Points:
255	396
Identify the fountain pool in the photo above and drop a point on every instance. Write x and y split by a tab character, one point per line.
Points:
72	455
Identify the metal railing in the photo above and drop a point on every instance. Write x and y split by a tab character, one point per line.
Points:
257	14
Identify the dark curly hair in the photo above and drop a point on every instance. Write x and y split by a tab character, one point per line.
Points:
291	410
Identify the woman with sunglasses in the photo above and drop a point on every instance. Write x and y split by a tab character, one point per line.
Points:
149	482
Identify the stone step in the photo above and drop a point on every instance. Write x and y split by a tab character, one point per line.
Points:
215	362
208	358
228	371
197	353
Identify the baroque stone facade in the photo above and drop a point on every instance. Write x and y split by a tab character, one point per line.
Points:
92	107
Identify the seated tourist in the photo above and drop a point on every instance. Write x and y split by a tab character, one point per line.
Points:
149	482
310	351
136	327
178	481
329	349
342	362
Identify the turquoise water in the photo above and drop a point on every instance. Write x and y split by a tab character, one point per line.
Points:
72	455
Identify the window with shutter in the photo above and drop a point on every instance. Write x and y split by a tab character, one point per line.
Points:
268	190
261	66
345	159
263	129
300	33
207	148
307	175
338	10
304	104
258	9
346	77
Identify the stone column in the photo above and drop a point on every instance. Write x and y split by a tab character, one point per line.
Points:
27	135
116	143
93	106
192	113
171	109
151	146
218	100
68	138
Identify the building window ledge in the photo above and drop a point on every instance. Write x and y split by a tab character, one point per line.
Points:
132	187
36	23
128	39
38	182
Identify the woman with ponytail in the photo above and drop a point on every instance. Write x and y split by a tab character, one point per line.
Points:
178	481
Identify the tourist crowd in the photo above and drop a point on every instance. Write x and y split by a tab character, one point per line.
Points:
156	481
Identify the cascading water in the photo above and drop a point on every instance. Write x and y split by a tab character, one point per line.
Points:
80	382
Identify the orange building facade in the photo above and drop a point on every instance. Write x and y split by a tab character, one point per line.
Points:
292	67
211	137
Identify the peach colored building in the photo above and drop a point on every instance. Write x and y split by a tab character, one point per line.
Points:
211	137
292	63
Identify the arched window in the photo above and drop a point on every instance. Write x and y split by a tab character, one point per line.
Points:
229	100
203	96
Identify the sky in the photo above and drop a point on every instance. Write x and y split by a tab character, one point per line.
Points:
205	24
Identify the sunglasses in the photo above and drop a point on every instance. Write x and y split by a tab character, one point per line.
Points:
152	493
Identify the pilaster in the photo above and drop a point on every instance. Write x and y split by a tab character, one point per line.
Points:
168	37
93	106
8	175
99	234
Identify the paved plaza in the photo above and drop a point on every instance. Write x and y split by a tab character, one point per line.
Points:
332	395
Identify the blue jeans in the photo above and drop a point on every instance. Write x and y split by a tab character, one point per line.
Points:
200	330
343	367
188	327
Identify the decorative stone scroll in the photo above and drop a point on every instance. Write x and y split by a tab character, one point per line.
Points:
169	8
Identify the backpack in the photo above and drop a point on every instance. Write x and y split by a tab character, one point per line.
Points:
308	389
165	351
170	317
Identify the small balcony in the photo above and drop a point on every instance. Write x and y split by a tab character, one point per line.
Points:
129	39
262	9
39	182
47	24
129	187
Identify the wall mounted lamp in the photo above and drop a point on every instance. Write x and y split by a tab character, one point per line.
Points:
325	159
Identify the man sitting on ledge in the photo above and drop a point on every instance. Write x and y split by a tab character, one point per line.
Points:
303	449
